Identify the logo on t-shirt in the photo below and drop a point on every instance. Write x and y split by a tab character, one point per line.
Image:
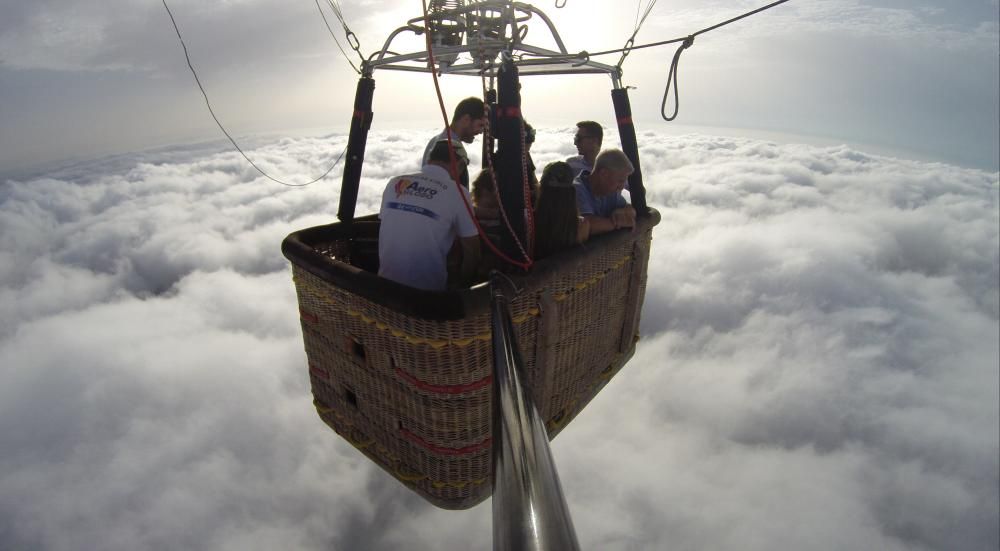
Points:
414	189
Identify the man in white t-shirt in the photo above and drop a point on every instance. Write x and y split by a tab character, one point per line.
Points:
468	121
422	216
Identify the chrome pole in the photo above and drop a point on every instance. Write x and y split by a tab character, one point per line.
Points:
529	510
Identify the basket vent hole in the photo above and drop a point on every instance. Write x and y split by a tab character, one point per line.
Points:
358	350
351	397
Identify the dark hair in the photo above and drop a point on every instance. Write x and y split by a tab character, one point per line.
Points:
471	106
556	214
592	128
439	153
529	133
482	184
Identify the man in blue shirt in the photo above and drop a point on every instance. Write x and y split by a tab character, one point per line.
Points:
587	140
599	193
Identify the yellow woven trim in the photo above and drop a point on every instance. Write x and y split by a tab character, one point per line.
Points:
466	341
459	485
559	297
602	378
415	477
360	445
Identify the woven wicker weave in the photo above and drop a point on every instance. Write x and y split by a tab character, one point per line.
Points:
410	385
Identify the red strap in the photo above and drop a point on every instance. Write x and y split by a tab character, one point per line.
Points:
509	111
625	120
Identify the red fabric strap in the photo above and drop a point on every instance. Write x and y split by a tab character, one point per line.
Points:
510	112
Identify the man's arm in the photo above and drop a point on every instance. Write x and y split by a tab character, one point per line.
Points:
599	224
620	218
470	258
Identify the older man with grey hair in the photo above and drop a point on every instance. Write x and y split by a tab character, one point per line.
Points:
599	193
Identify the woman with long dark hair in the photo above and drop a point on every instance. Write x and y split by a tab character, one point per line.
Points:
558	224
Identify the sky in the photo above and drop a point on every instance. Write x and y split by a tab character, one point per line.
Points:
819	365
916	79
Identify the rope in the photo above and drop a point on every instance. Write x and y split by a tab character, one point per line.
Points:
682	39
529	212
332	34
672	77
451	149
219	124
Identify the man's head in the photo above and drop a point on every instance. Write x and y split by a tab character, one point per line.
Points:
611	171
469	119
441	156
588	138
529	136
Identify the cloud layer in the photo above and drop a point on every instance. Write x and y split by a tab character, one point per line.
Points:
818	366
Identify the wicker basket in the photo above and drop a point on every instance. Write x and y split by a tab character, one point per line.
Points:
405	375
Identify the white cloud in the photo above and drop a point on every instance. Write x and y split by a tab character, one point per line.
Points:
818	367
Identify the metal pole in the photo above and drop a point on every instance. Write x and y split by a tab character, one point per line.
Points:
529	510
361	121
510	156
626	131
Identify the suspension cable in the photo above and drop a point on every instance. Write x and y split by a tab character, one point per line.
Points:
638	25
682	39
334	36
451	150
223	128
352	39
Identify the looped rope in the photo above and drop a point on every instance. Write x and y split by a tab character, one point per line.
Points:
585	58
560	5
672	77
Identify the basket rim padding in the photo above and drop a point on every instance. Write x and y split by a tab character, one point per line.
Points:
300	248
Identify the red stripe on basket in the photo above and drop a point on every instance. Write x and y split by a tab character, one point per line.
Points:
444	389
306	315
445	451
318	372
